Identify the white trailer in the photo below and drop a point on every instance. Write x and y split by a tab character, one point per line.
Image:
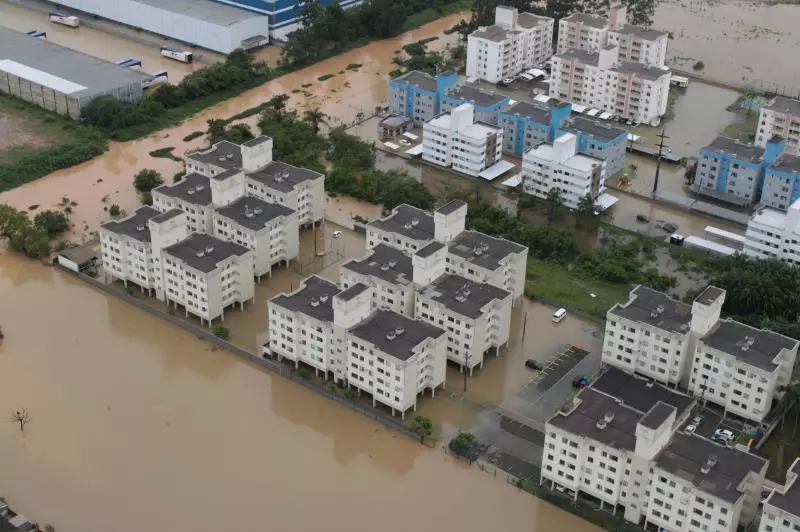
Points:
177	55
66	20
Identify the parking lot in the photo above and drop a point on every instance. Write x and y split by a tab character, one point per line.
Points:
553	371
713	419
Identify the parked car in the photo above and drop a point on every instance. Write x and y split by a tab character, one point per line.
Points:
533	364
506	82
724	433
337	234
690	429
697	421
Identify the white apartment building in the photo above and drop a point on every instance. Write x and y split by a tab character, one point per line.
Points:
485	259
192	195
248	169
560	166
407	228
390	274
126	250
774	234
781	116
582	31
742	368
395	358
269	229
781	511
605	443
516	42
477	317
600	80
454	139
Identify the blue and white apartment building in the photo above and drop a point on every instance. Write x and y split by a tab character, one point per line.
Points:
421	97
284	15
745	174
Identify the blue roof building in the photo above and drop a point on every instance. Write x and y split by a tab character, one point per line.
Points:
418	95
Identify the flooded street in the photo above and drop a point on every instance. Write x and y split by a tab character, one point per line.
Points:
134	419
737	40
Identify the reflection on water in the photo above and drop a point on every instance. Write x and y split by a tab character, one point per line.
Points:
130	413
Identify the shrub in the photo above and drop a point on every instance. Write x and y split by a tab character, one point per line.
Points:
222	332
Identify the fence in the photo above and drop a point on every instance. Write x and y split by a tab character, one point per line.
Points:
270	365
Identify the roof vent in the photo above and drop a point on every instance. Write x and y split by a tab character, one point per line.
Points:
391	335
619	400
601	424
258	210
415	222
285	174
708	464
209	249
190	191
230	156
407	225
200	187
609	417
384	267
750	340
221	157
478	251
460	298
140	227
650	384
200	253
314	302
399	330
323	298
745	347
392	263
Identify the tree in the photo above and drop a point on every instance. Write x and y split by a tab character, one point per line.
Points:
114	210
315	117
21	417
216	129
222	332
464	445
37	244
146	180
792	399
422	426
52	222
554	201
1	334
146	197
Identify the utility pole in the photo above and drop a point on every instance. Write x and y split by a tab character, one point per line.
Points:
662	136
466	369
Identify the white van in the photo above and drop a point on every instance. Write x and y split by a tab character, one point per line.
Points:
559	315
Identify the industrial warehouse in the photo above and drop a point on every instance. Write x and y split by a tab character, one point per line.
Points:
204	23
61	79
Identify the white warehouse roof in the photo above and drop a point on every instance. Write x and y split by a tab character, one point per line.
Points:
207	10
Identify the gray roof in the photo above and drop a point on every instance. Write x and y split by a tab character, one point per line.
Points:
353	291
738	150
685	455
709	295
451	206
253	213
418	79
402	219
790	501
166	216
98	76
205	10
784	105
314	299
430	249
204	252
533	112
80	255
787	163
644	33
529	20
483	250
395	121
135	225
224	154
763	346
657	415
381	328
602	131
476	96
637	394
259	140
461	295
655	309
386	263
283	177
491	33
193	188
587	58
620	433
587	20
643	71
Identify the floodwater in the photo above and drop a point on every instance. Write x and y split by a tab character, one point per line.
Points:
134	420
344	98
95	42
737	40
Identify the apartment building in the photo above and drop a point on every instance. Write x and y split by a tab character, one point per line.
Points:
599	79
582	31
269	229
485	259
598	139
418	96
741	368
781	511
528	124
639	45
477	317
390	274
514	43
781	181
697	484
733	171
395	358
407	228
774	234
560	166
781	117
603	445
299	189
126	250
192	195
454	139
487	104
649	335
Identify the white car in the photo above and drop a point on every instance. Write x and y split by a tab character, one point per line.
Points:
690	429
337	234
724	433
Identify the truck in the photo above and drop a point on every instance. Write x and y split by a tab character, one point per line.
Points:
177	55
36	34
158	78
66	20
131	63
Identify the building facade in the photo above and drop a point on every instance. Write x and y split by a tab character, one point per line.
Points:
514	43
774	234
418	96
454	139
559	166
781	511
781	117
487	104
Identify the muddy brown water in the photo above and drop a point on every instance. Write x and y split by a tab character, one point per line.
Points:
134	420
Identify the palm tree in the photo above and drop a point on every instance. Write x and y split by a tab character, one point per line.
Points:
216	130
315	117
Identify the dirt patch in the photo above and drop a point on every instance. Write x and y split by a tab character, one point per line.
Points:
18	130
